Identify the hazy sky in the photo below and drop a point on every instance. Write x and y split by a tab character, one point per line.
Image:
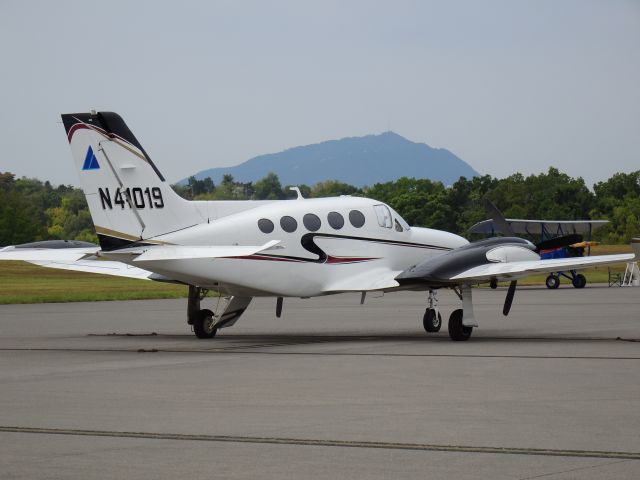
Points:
506	85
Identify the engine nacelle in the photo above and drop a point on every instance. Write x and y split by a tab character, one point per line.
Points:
442	269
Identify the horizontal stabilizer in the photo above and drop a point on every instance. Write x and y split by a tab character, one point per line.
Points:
47	254
102	267
182	252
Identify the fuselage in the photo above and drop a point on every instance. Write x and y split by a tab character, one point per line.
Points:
327	245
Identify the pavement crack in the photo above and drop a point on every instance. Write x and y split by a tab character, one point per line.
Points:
328	443
560	472
253	350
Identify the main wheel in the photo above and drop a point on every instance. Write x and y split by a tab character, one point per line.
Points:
579	281
457	331
431	322
553	282
203	324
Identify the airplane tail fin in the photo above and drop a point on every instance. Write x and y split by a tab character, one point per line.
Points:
129	200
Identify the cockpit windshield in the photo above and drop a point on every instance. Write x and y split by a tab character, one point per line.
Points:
389	218
399	223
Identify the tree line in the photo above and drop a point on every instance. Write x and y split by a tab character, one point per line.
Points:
34	210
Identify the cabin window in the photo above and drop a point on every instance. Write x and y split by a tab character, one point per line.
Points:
265	225
311	222
398	226
288	224
356	217
335	220
384	216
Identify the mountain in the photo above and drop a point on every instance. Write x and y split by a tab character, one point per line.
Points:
358	161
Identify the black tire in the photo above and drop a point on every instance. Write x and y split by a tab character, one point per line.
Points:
579	281
203	324
430	322
493	284
457	331
553	282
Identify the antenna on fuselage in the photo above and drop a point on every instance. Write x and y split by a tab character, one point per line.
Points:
297	190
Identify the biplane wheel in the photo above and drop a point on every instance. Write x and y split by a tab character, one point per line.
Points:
431	322
553	282
203	324
457	331
579	281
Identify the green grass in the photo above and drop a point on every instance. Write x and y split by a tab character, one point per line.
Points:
21	282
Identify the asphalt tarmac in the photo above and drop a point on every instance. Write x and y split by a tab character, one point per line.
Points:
331	390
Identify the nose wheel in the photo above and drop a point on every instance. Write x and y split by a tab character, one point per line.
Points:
432	320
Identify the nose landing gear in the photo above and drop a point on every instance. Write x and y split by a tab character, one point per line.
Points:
461	321
432	320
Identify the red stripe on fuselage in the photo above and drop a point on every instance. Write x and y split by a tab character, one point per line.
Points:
338	260
330	260
268	258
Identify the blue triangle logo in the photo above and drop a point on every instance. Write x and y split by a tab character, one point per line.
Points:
90	161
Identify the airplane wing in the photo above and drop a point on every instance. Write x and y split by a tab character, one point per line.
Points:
91	259
156	253
499	258
376	279
46	254
511	270
103	267
77	259
381	279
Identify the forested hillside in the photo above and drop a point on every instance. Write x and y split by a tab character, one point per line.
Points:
34	210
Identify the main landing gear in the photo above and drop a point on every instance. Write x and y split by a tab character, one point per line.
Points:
206	323
461	321
200	319
577	279
457	330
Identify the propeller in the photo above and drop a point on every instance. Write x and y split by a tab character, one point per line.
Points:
509	300
502	226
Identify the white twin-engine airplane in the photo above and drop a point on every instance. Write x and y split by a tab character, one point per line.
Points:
283	248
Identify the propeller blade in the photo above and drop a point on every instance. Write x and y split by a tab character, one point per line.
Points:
499	222
509	300
559	242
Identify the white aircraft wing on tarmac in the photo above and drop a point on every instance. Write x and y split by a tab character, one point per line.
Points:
103	267
511	270
45	254
53	254
282	248
92	259
179	252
